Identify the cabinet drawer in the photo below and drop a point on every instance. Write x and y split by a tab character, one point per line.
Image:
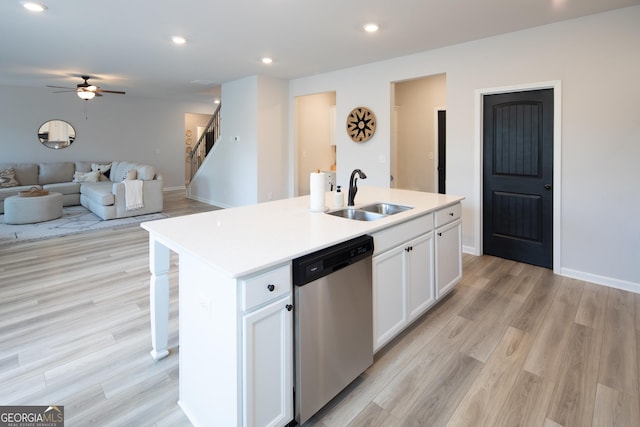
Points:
446	215
398	234
264	287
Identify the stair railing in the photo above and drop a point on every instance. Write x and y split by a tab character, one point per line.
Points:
205	143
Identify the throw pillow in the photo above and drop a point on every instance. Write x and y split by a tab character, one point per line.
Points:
103	169
130	175
8	178
86	176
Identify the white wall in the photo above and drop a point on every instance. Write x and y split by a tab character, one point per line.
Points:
114	127
596	59
228	176
248	163
273	143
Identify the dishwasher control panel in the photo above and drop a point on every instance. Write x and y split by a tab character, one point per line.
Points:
325	261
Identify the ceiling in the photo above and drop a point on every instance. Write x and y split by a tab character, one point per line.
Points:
126	44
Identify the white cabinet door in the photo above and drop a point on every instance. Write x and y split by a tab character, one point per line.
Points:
402	287
389	309
448	257
268	364
419	275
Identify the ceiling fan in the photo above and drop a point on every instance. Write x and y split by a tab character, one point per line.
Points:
85	90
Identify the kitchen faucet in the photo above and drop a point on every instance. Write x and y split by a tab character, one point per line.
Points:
353	186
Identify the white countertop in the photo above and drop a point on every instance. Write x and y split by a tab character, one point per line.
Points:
243	240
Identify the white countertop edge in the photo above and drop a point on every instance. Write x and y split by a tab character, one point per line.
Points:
175	239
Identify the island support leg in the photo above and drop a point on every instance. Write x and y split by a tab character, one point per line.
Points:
159	298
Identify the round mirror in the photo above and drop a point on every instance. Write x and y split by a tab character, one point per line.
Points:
56	134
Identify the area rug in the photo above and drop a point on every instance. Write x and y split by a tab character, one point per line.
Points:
75	219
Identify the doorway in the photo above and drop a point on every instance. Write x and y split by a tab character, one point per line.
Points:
415	132
518	176
315	138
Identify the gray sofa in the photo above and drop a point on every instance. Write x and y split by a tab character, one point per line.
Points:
105	198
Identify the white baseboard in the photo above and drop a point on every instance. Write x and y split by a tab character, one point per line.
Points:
174	188
580	275
601	280
209	202
471	250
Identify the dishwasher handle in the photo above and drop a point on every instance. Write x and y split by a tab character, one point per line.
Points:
340	266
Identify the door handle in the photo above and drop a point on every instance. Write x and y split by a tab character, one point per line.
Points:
547	186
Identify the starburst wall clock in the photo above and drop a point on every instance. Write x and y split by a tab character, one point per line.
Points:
361	124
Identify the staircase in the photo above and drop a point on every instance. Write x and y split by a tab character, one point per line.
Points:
205	143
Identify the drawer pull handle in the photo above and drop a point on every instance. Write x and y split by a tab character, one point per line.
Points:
439	234
450	213
289	307
271	287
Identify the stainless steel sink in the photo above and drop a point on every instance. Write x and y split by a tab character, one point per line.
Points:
385	208
357	214
370	212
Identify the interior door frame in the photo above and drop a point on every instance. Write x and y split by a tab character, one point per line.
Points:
557	160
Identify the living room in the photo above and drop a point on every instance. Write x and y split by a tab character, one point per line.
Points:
592	57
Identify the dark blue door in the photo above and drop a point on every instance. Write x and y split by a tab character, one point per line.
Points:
518	176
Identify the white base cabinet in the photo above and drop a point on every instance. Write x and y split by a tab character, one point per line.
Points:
267	365
448	249
236	346
389	296
415	263
402	278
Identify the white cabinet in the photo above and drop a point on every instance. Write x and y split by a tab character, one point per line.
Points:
415	263
268	364
402	278
267	348
389	296
448	253
419	275
236	346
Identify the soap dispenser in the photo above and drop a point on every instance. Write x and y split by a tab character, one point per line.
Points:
338	198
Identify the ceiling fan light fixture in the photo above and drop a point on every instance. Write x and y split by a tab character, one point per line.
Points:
34	7
85	94
178	40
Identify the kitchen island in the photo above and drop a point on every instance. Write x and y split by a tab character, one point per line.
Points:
236	297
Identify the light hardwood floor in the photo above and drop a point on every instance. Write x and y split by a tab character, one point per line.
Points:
512	345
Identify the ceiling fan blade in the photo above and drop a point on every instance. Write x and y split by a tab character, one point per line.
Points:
110	91
61	87
63	91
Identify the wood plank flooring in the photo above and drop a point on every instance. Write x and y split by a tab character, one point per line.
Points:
512	345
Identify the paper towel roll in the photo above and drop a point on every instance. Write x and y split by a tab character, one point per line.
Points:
317	186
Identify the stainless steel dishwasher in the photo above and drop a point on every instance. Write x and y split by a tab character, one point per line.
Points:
333	322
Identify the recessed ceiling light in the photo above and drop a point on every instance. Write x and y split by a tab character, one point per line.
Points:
178	40
267	60
371	27
216	101
34	7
